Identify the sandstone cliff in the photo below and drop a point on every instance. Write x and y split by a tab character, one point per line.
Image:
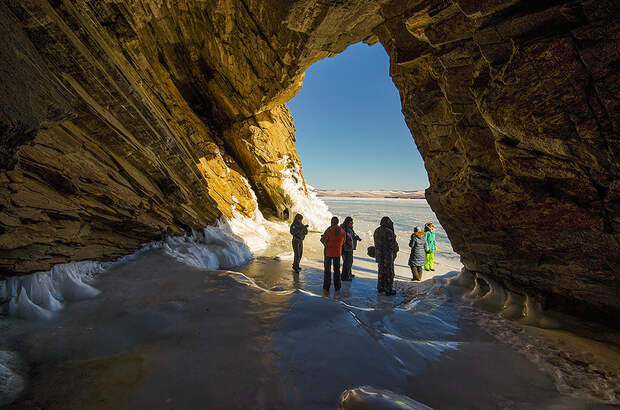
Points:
121	121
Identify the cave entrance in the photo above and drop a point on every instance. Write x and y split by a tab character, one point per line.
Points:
358	152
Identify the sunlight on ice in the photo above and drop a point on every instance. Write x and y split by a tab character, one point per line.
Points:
256	231
216	247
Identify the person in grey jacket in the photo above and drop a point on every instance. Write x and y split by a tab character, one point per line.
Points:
299	232
416	259
349	245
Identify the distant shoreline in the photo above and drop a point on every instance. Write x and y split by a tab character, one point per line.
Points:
371	194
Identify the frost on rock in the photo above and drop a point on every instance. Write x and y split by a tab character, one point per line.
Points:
256	231
304	199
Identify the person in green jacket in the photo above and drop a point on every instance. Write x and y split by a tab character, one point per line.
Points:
431	246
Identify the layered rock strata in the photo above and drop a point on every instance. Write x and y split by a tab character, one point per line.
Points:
121	121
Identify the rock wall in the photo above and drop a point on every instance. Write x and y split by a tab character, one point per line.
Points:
122	120
113	131
514	108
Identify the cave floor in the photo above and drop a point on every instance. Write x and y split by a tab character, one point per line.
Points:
163	335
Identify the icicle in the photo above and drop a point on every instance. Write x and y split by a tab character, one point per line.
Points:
40	291
493	300
22	307
67	280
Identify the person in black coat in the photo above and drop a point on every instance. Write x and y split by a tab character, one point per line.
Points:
349	245
386	249
299	232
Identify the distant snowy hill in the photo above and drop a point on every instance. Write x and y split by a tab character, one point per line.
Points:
371	194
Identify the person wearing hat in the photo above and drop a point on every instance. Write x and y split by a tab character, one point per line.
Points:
386	249
430	246
417	243
332	239
299	232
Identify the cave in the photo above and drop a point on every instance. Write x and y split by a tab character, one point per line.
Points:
124	121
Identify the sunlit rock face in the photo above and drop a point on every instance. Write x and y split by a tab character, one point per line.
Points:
121	121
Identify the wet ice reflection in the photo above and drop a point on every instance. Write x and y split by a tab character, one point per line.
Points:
166	335
367	398
352	337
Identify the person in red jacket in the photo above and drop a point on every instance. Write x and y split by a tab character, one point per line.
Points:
332	239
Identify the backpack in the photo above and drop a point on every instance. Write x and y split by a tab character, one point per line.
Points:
371	251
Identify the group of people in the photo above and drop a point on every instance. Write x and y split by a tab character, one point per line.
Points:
423	245
338	241
341	240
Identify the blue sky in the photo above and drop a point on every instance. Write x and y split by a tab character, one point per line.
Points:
350	131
